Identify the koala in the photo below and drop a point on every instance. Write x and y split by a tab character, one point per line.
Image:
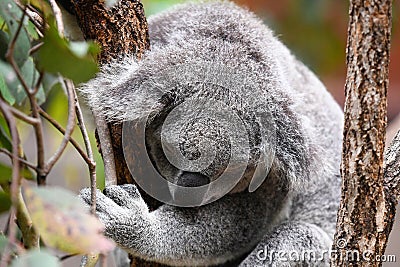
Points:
219	93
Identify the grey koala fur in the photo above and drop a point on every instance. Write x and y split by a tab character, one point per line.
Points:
294	209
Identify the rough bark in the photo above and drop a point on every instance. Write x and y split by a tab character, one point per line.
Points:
119	30
367	205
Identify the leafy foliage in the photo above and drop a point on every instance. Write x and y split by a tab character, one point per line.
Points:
35	61
74	60
64	223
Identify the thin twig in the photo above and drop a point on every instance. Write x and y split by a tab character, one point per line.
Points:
29	233
15	181
69	129
22	116
10	52
65	257
38	83
92	164
35	48
34	17
41	170
106	148
38	21
58	16
25	162
62	131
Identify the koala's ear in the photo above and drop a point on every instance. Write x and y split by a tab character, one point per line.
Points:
120	93
296	155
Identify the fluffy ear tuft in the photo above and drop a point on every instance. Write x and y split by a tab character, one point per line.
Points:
118	94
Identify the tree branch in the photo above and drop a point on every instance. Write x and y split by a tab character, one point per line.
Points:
91	163
68	132
15	181
58	16
25	162
366	211
41	170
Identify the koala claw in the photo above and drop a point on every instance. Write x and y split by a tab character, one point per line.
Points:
116	202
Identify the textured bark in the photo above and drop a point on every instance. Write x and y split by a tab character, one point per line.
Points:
119	30
367	207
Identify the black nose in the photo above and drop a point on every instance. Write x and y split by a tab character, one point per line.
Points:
192	179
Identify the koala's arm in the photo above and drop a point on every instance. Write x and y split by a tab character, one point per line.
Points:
292	243
207	235
221	231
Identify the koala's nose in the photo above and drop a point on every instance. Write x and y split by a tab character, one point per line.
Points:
192	179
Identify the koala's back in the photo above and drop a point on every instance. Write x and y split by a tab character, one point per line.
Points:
319	115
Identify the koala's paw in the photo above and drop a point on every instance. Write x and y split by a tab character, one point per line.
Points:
121	209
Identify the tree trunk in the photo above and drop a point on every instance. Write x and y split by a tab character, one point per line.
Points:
366	211
119	30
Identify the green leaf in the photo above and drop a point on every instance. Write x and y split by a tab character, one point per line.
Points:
5	202
63	222
4	127
72	60
28	174
5	173
5	92
35	258
31	29
4	139
8	74
30	75
3	44
12	15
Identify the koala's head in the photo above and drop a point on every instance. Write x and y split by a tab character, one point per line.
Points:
211	109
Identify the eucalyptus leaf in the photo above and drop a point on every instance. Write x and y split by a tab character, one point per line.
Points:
63	221
5	173
5	202
4	39
12	15
31	29
74	61
5	92
30	75
5	141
